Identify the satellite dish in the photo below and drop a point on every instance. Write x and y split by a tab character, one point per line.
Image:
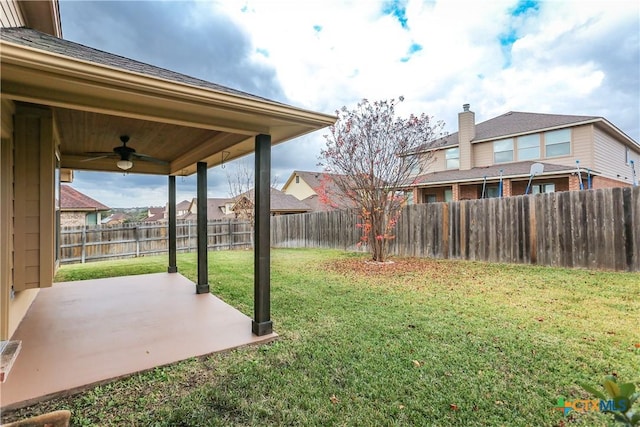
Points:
536	169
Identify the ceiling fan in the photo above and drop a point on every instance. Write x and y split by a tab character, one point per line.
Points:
124	154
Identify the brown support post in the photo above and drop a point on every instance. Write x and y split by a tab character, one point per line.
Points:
173	263
262	324
203	267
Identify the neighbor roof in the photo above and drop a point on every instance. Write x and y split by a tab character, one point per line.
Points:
183	205
514	123
491	172
31	38
282	202
72	199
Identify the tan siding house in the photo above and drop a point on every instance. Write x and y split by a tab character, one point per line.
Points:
297	186
483	154
613	158
10	14
317	190
495	157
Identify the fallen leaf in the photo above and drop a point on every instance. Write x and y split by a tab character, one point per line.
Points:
499	402
416	363
540	319
401	406
637	345
453	407
334	399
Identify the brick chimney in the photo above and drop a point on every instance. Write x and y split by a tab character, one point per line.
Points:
466	133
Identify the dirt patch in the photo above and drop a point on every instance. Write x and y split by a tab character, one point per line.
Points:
393	268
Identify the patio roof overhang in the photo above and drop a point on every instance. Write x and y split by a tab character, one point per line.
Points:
182	124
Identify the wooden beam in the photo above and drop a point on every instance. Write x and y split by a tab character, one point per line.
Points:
202	286
173	263
262	324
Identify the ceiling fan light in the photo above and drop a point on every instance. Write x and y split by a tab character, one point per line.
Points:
125	164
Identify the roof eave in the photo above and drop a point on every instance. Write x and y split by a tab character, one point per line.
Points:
493	177
42	16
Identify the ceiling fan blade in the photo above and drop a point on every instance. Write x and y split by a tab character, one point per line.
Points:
148	158
90	159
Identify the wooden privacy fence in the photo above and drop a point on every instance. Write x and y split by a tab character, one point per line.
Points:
90	243
598	229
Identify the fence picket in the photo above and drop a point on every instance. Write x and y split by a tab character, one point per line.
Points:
585	229
89	243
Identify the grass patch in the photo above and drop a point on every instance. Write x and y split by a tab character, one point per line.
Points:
418	342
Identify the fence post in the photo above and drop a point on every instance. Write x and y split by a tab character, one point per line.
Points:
84	243
230	235
188	236
445	230
136	235
533	229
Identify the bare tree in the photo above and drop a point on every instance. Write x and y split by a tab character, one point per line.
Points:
373	154
241	183
241	179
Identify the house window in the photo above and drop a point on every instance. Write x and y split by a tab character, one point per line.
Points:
503	151
627	155
297	179
408	196
452	158
448	195
529	147
543	188
557	143
431	198
492	191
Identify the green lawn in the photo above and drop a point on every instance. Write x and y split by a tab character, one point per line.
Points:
419	342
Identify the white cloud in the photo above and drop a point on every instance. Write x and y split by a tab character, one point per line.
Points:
567	57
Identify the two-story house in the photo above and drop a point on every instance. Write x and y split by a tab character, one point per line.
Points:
494	158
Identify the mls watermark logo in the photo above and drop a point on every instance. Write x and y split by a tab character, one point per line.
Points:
592	405
614	398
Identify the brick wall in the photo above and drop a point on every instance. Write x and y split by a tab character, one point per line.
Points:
72	219
469	192
506	188
603	182
455	189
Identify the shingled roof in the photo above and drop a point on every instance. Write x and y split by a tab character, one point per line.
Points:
281	202
515	123
73	200
519	169
34	39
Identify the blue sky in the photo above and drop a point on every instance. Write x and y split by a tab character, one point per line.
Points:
564	57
